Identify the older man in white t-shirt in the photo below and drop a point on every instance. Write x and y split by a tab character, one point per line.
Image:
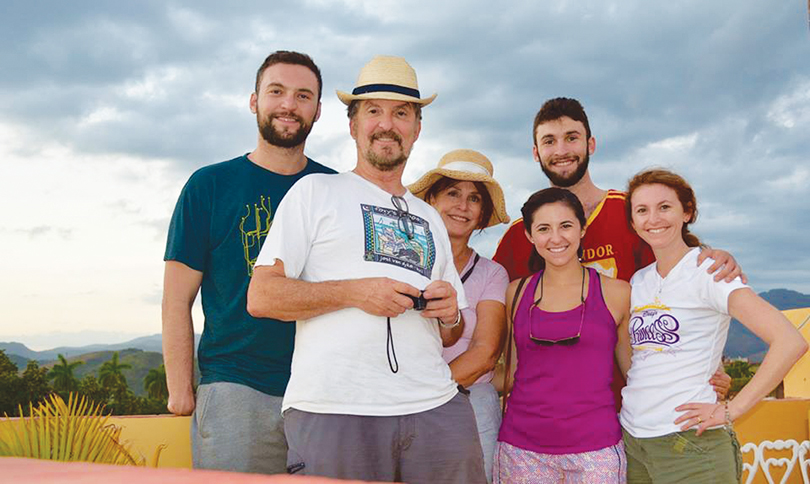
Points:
348	257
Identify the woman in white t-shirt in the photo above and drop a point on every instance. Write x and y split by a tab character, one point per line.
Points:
464	193
675	430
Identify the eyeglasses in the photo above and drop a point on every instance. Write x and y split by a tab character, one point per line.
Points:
404	222
565	340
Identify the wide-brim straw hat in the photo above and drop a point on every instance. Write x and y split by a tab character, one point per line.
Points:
386	77
466	165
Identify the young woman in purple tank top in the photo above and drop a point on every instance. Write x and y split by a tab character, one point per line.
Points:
560	423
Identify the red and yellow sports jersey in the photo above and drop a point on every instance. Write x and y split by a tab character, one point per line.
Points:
610	246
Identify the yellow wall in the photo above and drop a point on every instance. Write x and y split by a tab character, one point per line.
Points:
145	433
797	381
773	420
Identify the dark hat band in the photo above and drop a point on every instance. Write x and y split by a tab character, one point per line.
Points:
386	88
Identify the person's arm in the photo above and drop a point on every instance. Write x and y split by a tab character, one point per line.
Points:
785	346
617	298
485	346
724	264
180	286
504	383
273	295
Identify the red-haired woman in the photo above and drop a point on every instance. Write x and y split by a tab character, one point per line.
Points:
675	430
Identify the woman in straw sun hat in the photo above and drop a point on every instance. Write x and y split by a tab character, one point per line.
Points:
462	190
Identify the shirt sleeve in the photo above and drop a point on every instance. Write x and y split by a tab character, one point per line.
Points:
290	237
716	294
190	227
497	280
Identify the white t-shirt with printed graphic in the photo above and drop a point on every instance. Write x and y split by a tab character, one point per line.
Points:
678	328
341	227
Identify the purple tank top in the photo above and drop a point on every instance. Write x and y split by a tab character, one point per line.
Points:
561	401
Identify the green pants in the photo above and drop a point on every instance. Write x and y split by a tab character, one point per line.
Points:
714	457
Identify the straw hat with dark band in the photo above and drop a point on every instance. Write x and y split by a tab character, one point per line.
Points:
386	77
466	165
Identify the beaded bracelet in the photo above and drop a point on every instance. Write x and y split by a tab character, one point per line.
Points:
728	414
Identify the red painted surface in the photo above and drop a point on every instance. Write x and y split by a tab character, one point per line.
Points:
14	470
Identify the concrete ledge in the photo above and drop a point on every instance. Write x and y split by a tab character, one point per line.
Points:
16	470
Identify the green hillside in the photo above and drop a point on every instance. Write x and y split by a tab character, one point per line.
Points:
141	362
20	361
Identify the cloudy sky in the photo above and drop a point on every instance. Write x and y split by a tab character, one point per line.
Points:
107	107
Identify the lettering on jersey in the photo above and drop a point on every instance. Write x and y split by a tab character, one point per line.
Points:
601	258
653	327
254	226
386	242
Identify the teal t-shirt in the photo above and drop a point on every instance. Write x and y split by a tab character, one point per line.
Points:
218	227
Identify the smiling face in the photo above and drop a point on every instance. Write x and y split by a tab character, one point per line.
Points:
658	216
286	104
563	150
385	132
461	206
555	233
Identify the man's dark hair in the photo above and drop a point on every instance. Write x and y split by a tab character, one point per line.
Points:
290	57
556	108
354	105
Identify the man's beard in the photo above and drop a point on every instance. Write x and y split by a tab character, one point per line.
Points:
570	180
283	140
380	161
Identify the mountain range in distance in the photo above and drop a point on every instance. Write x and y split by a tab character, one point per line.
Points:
151	343
741	343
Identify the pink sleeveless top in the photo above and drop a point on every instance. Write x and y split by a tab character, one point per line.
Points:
561	401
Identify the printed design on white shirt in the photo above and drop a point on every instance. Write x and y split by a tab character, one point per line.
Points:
653	327
386	242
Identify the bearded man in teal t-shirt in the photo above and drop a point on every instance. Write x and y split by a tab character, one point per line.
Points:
217	229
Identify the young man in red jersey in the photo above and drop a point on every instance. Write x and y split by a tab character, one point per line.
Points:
563	145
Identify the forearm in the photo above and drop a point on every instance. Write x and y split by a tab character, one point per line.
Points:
779	359
288	299
178	348
451	335
477	361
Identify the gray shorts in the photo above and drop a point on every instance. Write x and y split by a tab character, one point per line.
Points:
436	446
237	428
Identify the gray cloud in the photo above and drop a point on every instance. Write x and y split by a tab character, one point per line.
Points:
170	80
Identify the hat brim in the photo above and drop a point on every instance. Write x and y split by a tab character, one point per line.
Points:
499	216
347	97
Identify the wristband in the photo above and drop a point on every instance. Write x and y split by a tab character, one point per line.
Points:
449	326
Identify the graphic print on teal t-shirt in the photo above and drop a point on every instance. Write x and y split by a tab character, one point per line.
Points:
218	227
254	226
386	242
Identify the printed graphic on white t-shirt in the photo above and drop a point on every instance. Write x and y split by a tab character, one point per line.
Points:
654	328
387	242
